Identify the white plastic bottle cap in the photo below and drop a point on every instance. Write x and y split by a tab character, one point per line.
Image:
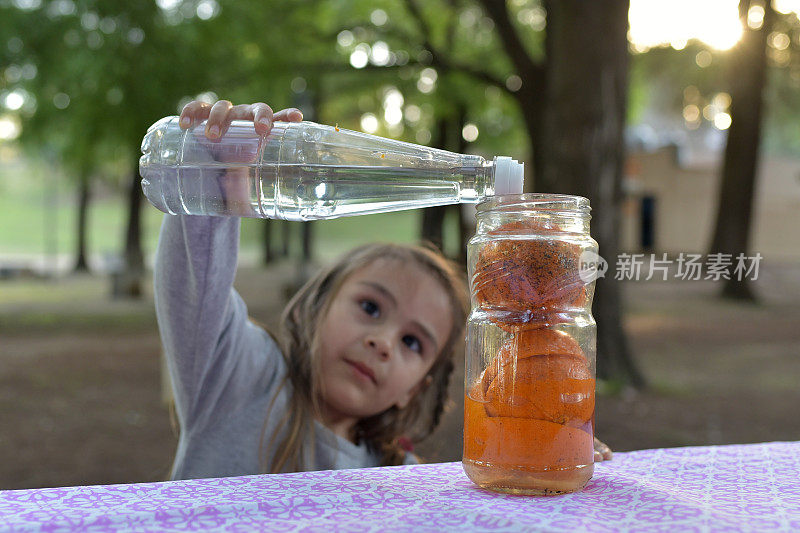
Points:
508	175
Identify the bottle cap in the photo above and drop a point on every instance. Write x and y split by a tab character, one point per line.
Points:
508	175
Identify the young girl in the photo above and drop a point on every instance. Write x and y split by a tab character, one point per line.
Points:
362	363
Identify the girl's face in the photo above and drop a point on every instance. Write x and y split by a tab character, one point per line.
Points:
382	333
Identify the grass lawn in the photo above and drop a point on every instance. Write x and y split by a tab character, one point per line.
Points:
38	216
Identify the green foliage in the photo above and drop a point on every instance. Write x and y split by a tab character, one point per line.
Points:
106	70
37	214
103	71
660	77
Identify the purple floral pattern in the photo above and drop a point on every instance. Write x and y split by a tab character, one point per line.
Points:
750	487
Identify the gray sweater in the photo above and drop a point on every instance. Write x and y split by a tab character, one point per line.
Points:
224	369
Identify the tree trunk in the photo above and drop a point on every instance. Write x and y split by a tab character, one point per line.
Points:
304	270
583	148
307	231
81	263
433	217
448	138
746	78
266	228
433	225
128	282
529	92
466	229
286	235
310	102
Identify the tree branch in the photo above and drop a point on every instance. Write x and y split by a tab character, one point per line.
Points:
510	39
413	8
439	59
478	74
442	65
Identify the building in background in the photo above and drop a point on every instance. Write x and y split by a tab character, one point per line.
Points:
671	193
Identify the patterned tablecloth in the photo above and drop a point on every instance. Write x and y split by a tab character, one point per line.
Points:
752	487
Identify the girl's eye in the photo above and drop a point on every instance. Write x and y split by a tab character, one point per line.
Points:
370	308
413	343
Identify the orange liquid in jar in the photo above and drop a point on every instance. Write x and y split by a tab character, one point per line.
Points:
528	419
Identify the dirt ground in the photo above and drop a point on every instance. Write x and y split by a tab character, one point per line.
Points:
81	399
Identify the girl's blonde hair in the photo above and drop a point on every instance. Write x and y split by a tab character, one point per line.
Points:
300	341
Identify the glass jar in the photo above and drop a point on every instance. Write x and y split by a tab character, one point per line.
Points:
530	367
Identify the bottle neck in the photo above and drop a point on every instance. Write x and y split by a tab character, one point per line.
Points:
476	176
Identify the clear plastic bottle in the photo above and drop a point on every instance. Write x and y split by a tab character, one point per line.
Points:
530	364
307	171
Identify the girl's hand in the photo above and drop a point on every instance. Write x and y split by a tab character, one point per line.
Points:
235	184
221	113
601	451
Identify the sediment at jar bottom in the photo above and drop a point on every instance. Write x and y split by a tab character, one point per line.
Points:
525	481
512	442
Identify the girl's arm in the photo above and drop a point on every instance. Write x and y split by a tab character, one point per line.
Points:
208	341
217	358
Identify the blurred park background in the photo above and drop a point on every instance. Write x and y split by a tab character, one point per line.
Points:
680	120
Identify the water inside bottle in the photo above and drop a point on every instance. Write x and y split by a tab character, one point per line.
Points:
307	192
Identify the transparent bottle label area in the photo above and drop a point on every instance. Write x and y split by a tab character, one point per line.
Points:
529	405
305	192
301	171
